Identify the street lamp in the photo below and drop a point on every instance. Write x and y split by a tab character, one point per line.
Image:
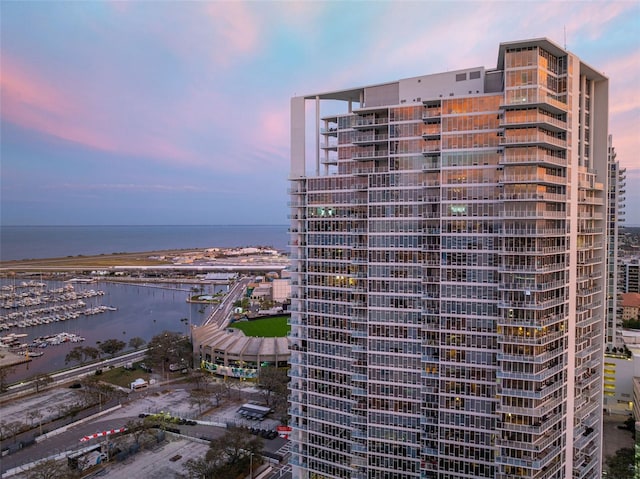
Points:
250	465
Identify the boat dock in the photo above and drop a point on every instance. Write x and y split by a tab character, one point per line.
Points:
32	304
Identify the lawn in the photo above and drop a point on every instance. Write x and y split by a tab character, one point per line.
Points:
264	328
122	377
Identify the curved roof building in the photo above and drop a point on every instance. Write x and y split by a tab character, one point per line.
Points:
228	352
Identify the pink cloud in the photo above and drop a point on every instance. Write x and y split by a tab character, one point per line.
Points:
624	75
32	103
236	30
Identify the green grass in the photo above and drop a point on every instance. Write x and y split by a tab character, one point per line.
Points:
265	328
122	377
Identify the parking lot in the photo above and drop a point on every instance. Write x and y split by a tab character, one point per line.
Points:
170	399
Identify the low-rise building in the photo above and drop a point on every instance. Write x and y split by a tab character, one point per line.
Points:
228	352
630	306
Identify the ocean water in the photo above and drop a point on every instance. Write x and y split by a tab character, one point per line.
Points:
24	242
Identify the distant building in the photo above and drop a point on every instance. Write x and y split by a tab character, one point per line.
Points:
281	290
261	291
630	303
615	218
631	276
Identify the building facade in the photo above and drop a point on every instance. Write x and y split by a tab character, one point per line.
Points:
448	273
615	218
631	276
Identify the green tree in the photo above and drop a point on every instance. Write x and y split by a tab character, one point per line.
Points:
169	348
76	355
136	342
81	354
112	346
621	465
91	353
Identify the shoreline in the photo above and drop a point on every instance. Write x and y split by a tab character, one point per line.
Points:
205	257
103	259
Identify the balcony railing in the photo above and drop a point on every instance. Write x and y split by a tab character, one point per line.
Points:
532	214
369	122
536	118
534	138
370	138
514	158
533	178
534	196
364	155
532	96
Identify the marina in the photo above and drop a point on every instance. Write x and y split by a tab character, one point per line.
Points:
14	343
135	310
35	303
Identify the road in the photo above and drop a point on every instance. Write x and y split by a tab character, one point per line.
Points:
171	397
80	371
221	314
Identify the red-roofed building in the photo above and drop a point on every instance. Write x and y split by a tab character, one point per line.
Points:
630	306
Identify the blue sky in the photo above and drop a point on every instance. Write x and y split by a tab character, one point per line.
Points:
178	112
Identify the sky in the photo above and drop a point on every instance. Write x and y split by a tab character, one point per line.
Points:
167	112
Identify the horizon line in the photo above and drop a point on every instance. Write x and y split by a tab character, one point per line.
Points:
166	224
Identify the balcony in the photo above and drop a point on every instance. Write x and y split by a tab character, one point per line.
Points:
538	427
533	213
537	445
329	145
364	123
363	171
431	165
530	267
331	131
431	115
533	178
370	155
431	148
538	138
536	340
539	376
534	96
370	138
541	460
543	322
531	287
534	232
431	134
531	117
554	197
512	158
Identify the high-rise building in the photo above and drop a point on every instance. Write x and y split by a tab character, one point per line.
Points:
448	268
615	218
630	276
